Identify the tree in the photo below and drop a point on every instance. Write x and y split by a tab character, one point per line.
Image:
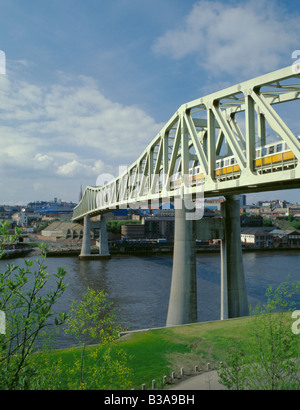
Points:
105	366
270	359
28	307
296	224
267	222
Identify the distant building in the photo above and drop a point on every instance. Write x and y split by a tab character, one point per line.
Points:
251	220
286	238
63	230
2	212
133	231
159	227
294	210
24	219
258	237
54	208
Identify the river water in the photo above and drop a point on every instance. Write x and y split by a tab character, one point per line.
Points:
139	286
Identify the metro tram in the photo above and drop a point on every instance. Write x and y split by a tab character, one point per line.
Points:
269	158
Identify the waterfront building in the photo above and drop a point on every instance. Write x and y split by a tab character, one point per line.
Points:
258	237
286	238
63	230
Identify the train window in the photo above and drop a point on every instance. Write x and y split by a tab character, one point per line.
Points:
263	152
279	147
271	150
226	162
198	170
221	163
191	171
258	152
217	164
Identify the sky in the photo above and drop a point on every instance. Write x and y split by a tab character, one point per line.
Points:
89	83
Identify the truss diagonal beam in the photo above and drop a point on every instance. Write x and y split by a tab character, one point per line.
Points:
214	140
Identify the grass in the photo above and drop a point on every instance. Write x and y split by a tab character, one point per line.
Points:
157	352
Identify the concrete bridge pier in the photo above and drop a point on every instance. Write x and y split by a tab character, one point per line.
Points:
86	240
183	293
234	301
103	241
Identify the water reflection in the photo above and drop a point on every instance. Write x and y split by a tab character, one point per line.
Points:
139	286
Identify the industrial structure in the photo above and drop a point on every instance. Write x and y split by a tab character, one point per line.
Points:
228	143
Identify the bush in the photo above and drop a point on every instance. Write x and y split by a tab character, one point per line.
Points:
93	320
295	224
270	359
27	309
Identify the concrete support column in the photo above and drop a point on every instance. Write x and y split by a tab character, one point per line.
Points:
224	290
103	241
86	240
234	296
183	293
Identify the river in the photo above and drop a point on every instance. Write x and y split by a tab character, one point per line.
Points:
139	286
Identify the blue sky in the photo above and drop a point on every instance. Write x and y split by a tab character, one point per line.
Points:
89	83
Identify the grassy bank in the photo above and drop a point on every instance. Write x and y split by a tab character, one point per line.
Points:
157	352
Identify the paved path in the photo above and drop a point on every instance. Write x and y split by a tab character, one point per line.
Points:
204	381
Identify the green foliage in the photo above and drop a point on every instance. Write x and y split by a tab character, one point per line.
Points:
28	306
267	222
92	320
106	366
43	226
7	239
269	360
296	224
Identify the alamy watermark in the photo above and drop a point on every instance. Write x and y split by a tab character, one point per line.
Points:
2	323
2	62
179	190
296	63
296	324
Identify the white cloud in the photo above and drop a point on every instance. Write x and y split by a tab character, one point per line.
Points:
70	169
77	168
66	130
244	38
42	161
37	186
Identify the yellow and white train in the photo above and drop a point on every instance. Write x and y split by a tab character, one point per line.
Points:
269	158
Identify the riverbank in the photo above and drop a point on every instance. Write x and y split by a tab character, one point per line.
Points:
171	355
68	248
18	252
185	357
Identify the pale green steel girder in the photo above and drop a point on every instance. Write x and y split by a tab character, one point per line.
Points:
196	134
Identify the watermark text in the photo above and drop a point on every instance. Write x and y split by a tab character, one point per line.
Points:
296	324
136	192
2	62
2	323
296	63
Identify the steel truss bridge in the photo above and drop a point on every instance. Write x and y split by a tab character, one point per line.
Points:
232	124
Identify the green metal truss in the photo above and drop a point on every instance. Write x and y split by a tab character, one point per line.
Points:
231	123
